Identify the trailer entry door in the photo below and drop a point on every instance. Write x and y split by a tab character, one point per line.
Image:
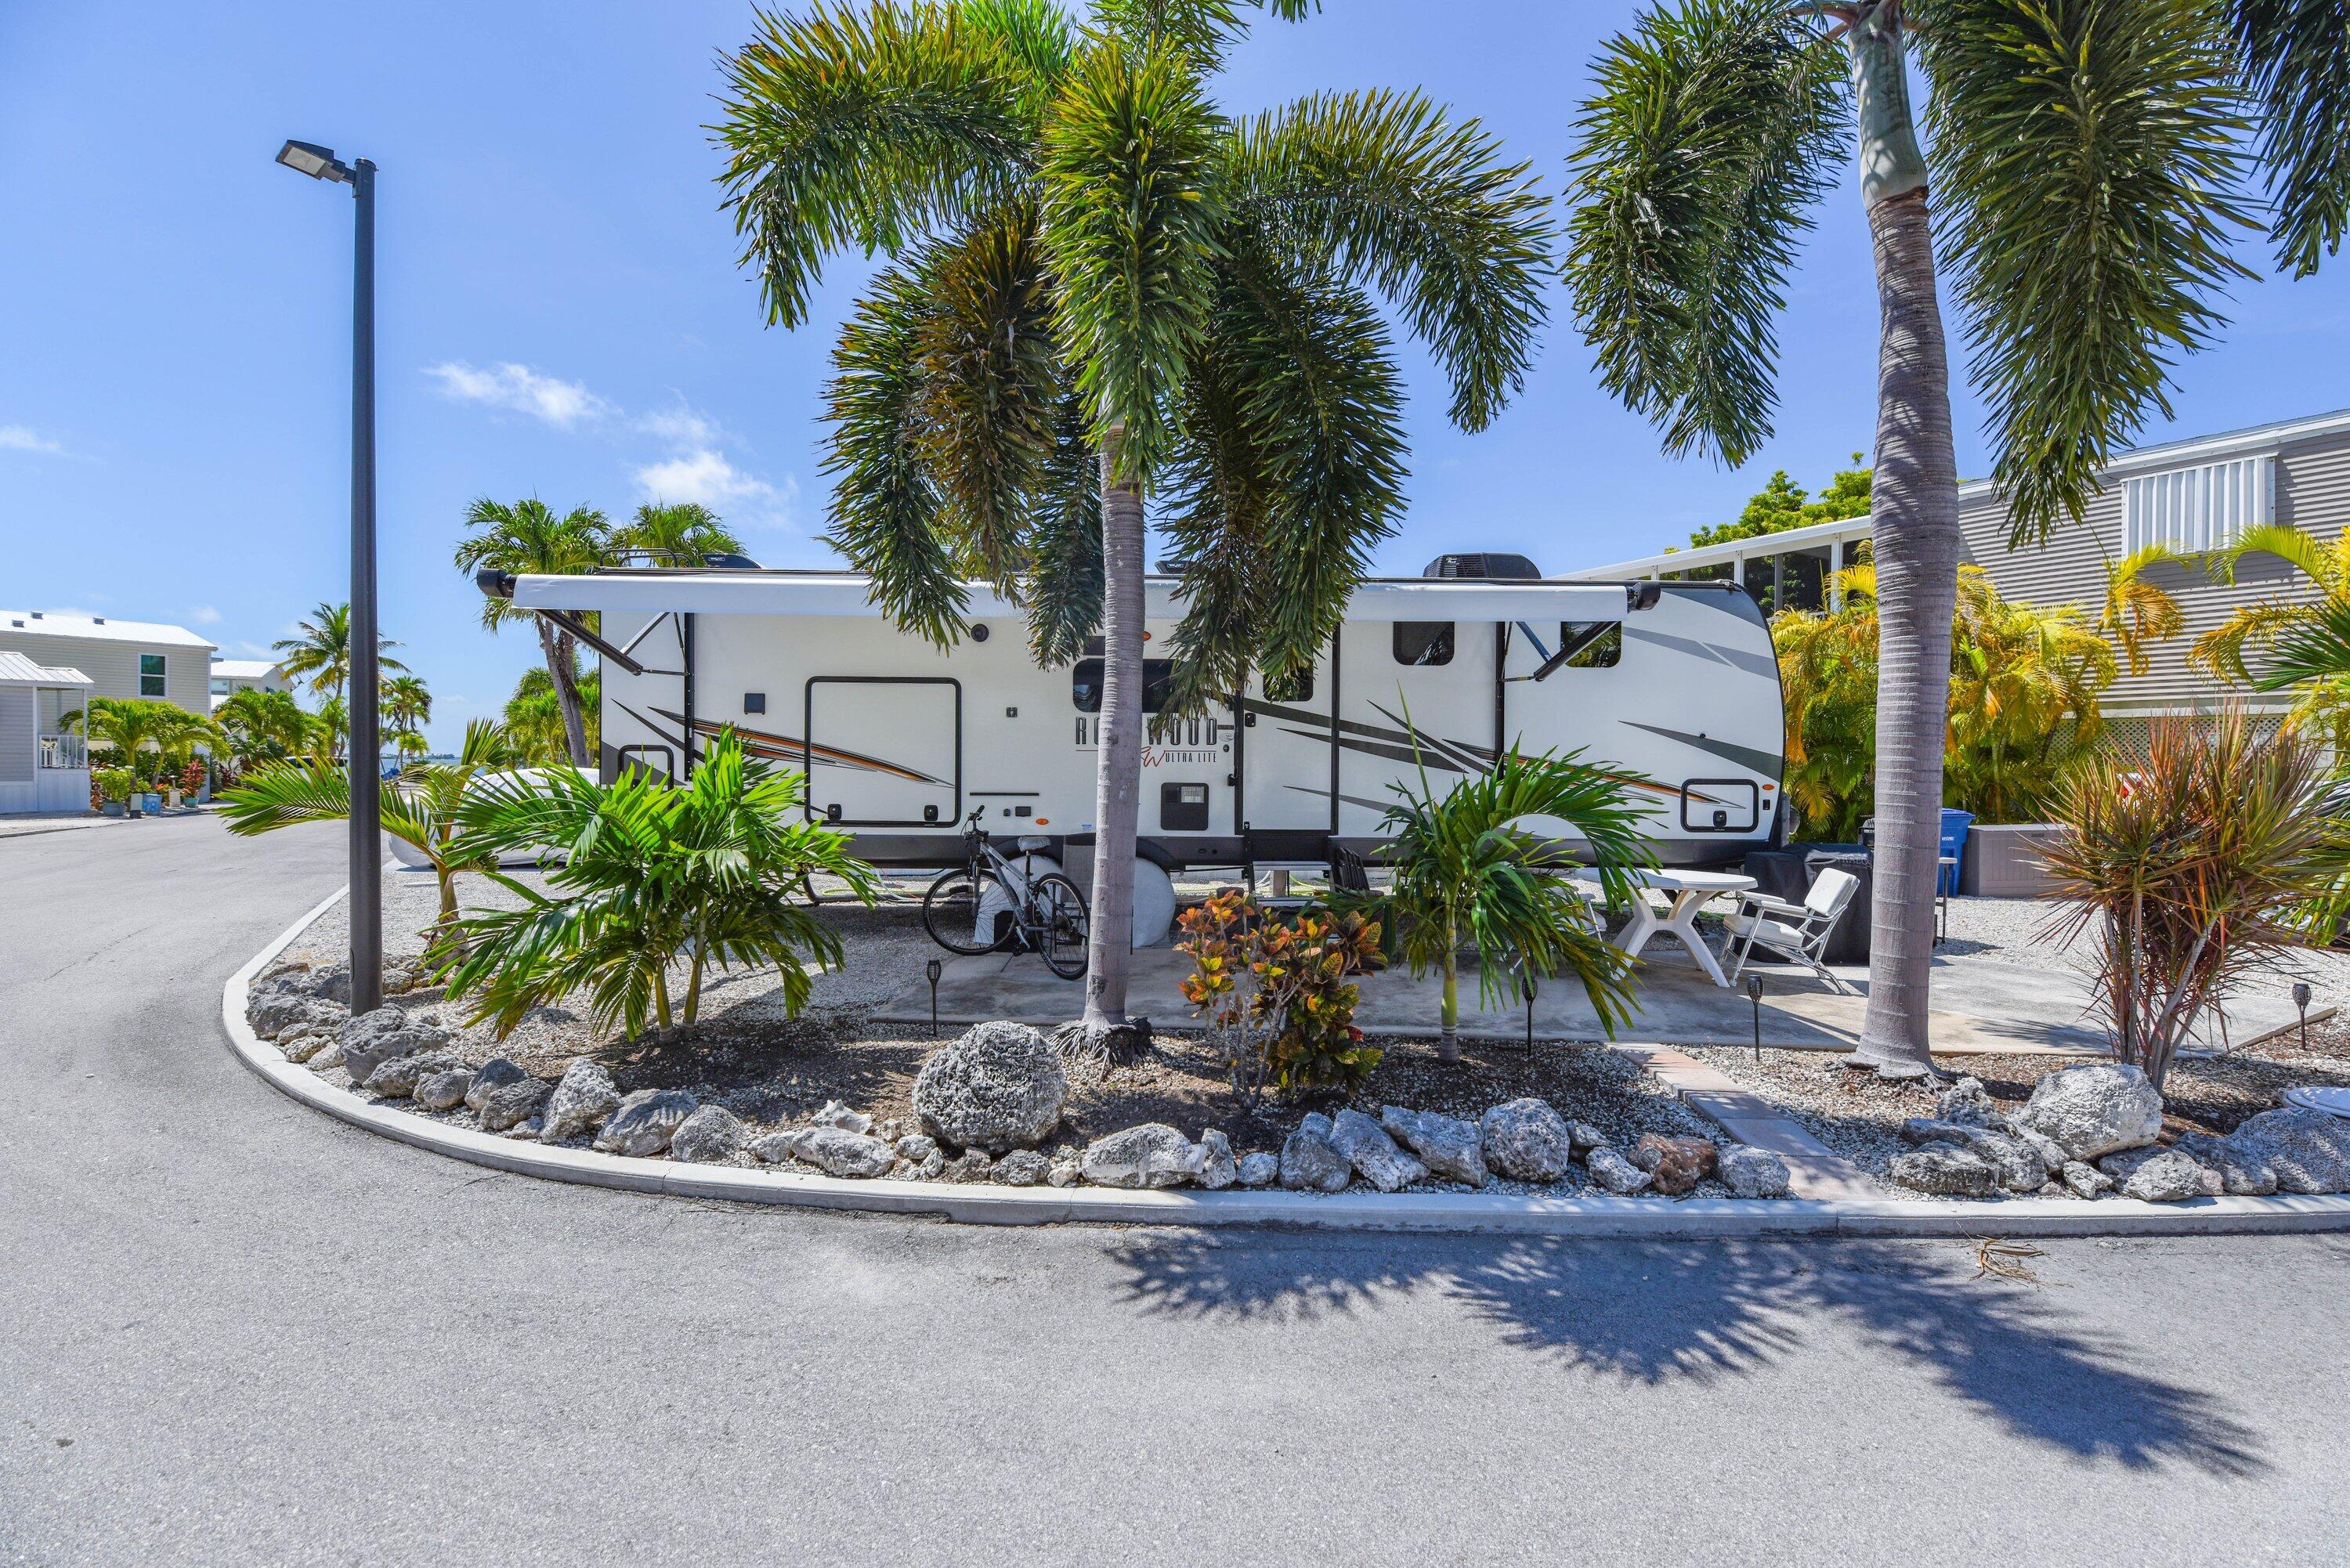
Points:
884	752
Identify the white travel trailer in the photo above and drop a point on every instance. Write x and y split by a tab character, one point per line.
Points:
1673	683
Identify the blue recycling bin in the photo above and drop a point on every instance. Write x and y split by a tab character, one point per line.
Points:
1955	824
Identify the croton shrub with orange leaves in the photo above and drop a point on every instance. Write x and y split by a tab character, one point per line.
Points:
1272	992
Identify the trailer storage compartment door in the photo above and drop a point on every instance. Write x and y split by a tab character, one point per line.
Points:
884	752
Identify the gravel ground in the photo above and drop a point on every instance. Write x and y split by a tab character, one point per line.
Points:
773	1070
2024	932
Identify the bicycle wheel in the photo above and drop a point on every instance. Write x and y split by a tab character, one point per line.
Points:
1060	910
951	911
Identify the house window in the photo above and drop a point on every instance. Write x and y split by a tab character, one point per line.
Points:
150	675
220	685
1590	644
1423	642
2199	509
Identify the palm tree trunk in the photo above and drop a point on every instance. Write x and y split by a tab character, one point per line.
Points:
1448	1012
1915	507
1118	778
562	670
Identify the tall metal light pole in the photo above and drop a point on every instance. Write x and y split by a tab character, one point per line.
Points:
366	759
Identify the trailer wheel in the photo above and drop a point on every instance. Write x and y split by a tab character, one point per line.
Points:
950	912
1061	908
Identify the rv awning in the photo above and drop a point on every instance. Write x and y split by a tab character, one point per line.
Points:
848	594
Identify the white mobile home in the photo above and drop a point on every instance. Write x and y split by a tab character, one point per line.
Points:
122	658
41	768
900	739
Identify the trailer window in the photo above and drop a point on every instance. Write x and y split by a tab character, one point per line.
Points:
1294	687
1591	644
1086	684
1423	642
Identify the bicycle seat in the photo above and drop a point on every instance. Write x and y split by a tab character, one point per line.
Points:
1033	841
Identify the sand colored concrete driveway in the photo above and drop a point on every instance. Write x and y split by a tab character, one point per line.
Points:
232	1330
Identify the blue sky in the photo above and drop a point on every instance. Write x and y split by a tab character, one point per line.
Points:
562	314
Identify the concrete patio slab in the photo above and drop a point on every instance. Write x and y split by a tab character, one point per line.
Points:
1981	1006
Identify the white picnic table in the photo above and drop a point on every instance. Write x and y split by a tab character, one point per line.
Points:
1689	890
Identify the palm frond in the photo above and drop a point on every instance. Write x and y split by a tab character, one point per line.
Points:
1383	189
2298	69
1297	476
1200	31
2313	646
1716	126
2084	157
886	508
991	381
1130	219
868	128
1062	587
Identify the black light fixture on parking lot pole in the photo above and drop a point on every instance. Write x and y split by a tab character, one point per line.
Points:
366	745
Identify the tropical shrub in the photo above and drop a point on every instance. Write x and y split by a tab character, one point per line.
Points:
534	716
1467	870
651	876
130	727
2298	639
262	727
420	808
1273	995
114	785
2026	683
2189	867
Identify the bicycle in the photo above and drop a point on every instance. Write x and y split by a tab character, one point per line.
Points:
1024	911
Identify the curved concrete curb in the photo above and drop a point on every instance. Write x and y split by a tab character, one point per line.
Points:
1650	1219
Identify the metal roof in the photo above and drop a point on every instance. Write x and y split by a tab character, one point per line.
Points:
15	670
849	594
97	628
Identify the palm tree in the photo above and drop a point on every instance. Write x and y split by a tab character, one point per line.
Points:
685	531
129	725
261	726
2088	162
1103	289
527	537
2138	610
650	877
321	650
419	809
408	703
1466	871
2299	642
533	719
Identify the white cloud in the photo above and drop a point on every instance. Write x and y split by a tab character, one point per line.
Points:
698	470
702	474
24	438
205	615
682	426
521	390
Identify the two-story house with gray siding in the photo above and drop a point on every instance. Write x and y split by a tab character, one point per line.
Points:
2194	495
122	658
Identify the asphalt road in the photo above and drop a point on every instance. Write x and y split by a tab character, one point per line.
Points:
233	1331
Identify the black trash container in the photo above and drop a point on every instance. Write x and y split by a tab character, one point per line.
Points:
1789	873
1849	943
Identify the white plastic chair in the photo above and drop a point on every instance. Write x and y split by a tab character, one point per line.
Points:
1795	933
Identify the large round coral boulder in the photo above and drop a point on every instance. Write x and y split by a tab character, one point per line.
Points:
997	1086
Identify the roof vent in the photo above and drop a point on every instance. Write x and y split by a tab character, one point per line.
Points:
1507	568
97	621
37	615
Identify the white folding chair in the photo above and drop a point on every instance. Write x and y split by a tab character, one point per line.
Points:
1795	933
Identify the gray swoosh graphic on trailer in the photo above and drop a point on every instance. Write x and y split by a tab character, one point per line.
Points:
1737	658
1768	764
